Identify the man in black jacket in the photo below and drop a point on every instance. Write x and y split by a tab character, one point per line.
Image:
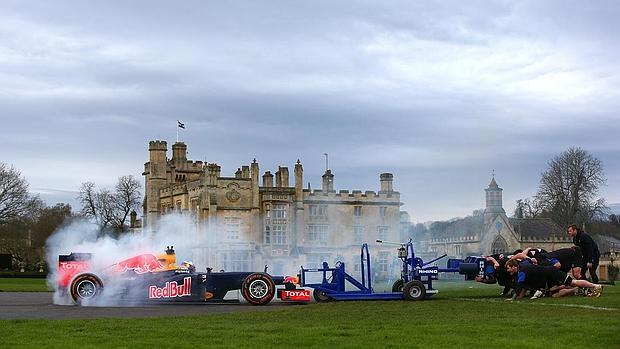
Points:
589	250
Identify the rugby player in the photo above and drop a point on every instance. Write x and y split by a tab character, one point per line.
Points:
536	277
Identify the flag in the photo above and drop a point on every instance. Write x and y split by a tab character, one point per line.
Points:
180	124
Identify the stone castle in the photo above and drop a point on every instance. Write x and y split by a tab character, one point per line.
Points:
255	220
246	221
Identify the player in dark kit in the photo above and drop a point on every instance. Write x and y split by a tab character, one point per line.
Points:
495	272
589	249
535	277
566	259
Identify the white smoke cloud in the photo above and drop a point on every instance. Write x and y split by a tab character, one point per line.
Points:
84	237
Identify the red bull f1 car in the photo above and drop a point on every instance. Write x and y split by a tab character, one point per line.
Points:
148	278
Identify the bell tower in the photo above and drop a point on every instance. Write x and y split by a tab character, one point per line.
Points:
493	198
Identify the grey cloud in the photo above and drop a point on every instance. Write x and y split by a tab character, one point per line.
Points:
439	93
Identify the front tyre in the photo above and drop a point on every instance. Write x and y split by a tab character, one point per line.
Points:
414	290
85	287
258	289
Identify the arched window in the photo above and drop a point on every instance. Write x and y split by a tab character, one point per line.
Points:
499	245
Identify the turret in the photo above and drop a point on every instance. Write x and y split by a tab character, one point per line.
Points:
133	219
386	182
299	181
254	173
157	152
179	154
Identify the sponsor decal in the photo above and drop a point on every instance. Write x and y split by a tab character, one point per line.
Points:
73	265
428	271
172	289
208	295
295	295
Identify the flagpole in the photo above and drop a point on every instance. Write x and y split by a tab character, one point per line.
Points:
177	131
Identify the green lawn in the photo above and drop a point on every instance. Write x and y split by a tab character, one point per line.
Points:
22	285
463	315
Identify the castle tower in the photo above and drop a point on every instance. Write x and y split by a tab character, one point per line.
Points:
154	178
494	198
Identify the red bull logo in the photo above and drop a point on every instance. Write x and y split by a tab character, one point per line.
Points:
172	289
140	264
291	279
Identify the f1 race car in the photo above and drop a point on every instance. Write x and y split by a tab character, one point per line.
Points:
149	278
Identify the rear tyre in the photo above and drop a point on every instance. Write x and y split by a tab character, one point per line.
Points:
414	290
397	286
258	289
321	296
85	287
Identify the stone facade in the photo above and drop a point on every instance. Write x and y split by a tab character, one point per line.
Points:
493	232
246	221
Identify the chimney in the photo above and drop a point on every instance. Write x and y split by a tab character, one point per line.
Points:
282	177
245	171
268	179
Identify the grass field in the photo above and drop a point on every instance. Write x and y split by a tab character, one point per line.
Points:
22	285
463	315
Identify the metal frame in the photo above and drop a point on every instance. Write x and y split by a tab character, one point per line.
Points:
335	279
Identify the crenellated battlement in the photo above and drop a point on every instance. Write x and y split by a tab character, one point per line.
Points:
158	145
354	195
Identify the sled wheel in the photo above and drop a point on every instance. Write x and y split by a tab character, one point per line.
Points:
258	289
397	286
85	287
414	290
321	296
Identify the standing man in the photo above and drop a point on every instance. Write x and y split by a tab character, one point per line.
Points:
589	250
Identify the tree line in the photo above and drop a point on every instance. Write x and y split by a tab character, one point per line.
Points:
26	221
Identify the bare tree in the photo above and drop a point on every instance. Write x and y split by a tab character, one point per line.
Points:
15	200
528	208
110	209
126	198
568	189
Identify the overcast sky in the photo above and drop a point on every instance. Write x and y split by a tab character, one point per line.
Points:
438	93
